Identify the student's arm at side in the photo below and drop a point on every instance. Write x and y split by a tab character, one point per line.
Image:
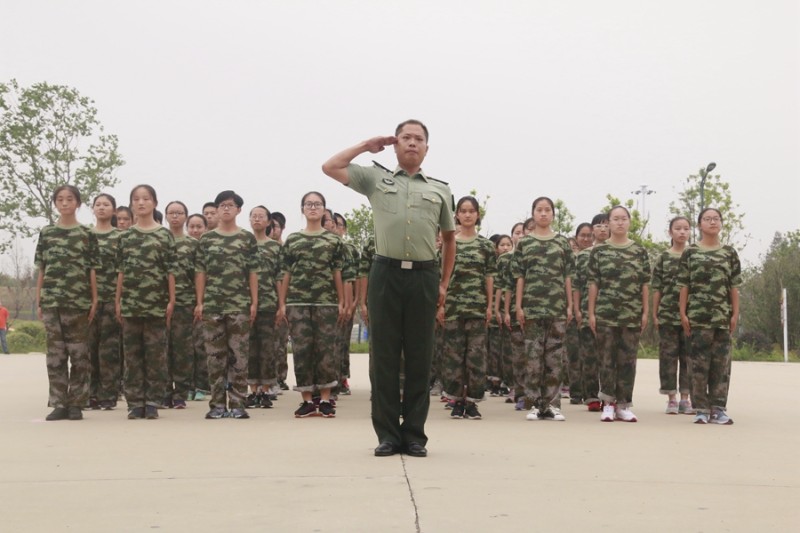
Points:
280	316
93	286
171	302
518	307
656	303
118	298
199	294
570	307
645	305
489	296
576	306
683	300
734	308
591	305
340	296
39	285
252	278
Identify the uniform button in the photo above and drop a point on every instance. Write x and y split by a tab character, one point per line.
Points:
409	205
408	238
408	255
409	222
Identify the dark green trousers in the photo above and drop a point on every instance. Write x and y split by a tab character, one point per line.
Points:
402	313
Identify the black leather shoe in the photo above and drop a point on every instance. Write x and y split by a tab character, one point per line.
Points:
385	449
415	449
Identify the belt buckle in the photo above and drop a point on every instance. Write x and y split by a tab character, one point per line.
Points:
407	265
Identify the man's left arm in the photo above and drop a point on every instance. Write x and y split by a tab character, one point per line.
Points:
448	261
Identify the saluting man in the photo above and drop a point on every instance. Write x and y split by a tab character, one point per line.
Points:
406	283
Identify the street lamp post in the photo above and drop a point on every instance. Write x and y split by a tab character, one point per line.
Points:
644	191
703	175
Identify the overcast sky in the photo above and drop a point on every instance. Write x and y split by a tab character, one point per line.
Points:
571	100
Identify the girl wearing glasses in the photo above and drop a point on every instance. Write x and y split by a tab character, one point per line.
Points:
709	277
311	298
618	276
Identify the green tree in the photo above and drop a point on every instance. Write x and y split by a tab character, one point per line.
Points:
49	135
717	193
562	222
638	230
360	226
483	204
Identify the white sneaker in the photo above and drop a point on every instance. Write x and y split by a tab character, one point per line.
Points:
625	414
533	415
553	413
608	413
275	390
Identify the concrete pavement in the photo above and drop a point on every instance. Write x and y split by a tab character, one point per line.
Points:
502	473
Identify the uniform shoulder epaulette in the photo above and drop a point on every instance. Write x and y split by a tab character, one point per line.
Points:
378	165
438	181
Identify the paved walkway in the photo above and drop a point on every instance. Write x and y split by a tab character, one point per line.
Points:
502	473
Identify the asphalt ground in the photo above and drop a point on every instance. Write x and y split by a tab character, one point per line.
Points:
502	473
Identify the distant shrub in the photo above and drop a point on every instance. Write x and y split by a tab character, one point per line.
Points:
755	340
21	342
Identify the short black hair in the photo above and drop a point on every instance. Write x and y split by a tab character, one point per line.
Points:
277	215
228	195
412	121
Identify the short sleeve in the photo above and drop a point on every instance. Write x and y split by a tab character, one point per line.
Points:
361	179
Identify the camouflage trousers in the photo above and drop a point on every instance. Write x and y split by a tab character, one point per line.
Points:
262	362
617	347
146	376
515	372
227	342
343	333
438	350
104	349
571	373
590	365
282	361
494	353
544	359
313	331
200	362
68	366
710	368
464	359
673	355
180	353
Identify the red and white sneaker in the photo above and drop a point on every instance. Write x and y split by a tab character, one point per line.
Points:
625	414
608	413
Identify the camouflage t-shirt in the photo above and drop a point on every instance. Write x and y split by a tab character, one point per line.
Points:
365	261
350	269
664	280
466	295
185	248
269	260
67	255
580	282
227	259
544	263
710	274
311	259
506	283
107	242
619	272
146	258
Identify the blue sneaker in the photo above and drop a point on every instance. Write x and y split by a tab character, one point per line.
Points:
701	418
718	416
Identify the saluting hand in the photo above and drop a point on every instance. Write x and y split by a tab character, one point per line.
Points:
377	144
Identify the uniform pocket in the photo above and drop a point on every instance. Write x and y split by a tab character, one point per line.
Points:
386	198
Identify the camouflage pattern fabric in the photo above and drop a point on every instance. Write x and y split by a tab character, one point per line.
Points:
311	259
506	368
227	260
464	359
545	265
145	258
104	349
664	281
343	334
282	362
507	284
200	359
185	248
365	261
65	256
313	331
351	262
269	261
466	295
68	368
619	272
617	349
180	353
494	349
673	354
106	273
572	368
581	280
262	360
710	274
710	368
544	358
438	351
590	365
145	343
227	345
515	375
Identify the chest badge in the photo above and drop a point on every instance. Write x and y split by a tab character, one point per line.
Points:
388	181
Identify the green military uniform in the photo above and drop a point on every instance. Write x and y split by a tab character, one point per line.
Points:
104	331
710	274
673	349
403	292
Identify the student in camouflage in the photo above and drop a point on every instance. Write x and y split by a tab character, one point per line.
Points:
466	313
590	362
196	225
515	361
104	331
673	352
66	300
311	298
262	362
583	238
180	343
618	277
543	267
709	277
226	288
282	368
350	280
503	248
145	300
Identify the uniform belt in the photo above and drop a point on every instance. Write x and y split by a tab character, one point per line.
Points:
406	265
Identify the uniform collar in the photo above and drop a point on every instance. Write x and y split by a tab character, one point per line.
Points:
400	172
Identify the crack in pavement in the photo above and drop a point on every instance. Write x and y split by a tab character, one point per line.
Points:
411	494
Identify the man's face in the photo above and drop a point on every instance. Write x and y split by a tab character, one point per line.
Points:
411	146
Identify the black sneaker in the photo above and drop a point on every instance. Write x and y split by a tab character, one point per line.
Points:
108	405
327	410
136	412
75	413
282	384
94	405
252	400
239	413
472	412
264	401
458	410
306	409
59	413
151	412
